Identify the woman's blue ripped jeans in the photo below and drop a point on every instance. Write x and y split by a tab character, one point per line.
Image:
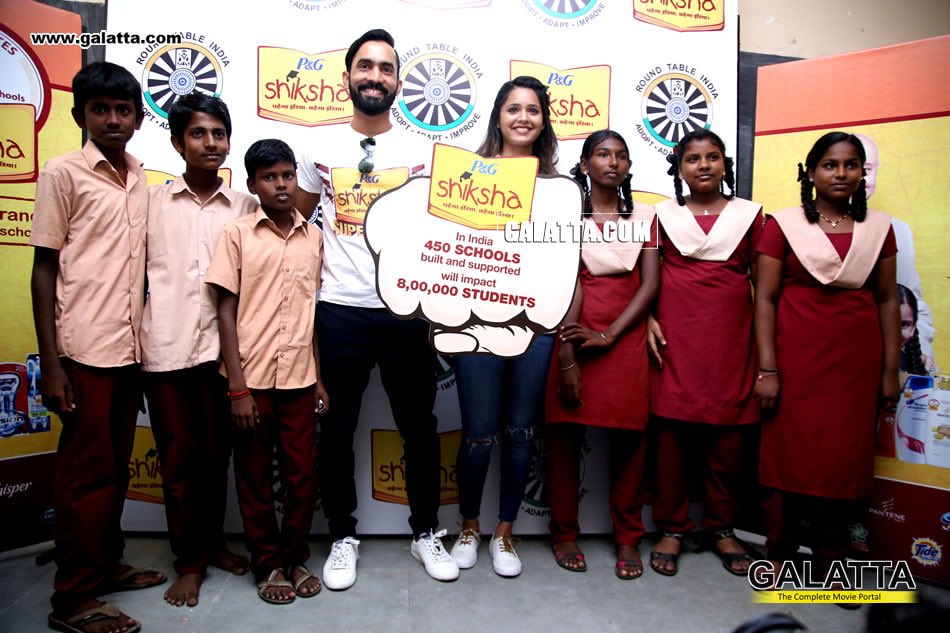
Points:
500	400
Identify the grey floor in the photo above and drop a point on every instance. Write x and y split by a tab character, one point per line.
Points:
394	594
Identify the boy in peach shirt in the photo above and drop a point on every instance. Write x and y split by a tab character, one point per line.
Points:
88	285
266	269
187	397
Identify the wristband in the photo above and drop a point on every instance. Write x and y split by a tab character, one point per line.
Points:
237	395
767	374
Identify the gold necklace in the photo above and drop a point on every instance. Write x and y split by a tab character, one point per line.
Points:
834	223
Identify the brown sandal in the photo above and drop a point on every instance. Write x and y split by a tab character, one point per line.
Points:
77	622
271	582
305	575
126	580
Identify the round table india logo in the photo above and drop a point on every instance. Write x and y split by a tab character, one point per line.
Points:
565	8
536	488
178	70
438	92
675	105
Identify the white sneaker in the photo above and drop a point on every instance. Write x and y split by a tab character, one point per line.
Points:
465	550
339	572
504	558
428	550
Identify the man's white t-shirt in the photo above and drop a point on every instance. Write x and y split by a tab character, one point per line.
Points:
330	169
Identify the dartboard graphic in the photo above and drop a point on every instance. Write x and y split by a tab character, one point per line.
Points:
443	369
565	8
536	489
675	105
178	70
438	92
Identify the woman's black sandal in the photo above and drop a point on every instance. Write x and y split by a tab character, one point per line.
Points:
729	559
667	557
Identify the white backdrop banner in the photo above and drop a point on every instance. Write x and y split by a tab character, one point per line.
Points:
651	69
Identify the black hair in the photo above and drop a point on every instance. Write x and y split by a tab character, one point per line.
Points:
911	352
624	195
675	159
181	111
545	147
858	207
105	79
373	35
267	152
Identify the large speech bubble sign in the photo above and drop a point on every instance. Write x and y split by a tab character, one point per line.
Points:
441	252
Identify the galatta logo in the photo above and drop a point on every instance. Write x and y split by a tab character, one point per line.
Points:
846	581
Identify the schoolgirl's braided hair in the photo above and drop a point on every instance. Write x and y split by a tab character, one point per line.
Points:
624	194
675	159
858	206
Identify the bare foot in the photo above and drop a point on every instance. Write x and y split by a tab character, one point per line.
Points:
666	545
629	565
119	623
569	556
309	587
184	591
230	562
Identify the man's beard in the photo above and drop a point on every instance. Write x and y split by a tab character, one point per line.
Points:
371	106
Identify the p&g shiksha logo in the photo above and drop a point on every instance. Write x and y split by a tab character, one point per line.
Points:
180	69
438	91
